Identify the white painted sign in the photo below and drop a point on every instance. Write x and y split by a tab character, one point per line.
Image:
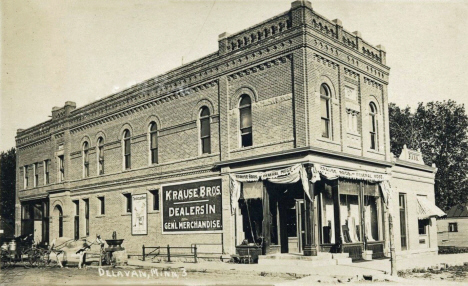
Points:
139	215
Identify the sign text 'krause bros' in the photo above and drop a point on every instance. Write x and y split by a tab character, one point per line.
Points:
192	206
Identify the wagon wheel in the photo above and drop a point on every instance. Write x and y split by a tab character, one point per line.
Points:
34	256
6	259
25	257
41	258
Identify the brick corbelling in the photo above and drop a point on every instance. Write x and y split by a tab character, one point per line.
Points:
139	107
372	83
147	91
34	144
348	59
259	67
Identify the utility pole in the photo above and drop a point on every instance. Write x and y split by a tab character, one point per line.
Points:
392	246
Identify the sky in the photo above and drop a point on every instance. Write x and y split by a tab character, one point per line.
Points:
55	51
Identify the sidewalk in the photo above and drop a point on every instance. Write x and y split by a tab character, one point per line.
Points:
376	269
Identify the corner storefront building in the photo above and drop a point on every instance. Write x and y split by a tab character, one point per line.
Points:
279	138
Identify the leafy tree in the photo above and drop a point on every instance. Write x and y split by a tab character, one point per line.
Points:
7	187
439	129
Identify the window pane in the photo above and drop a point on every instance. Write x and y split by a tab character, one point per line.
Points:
325	128
204	112
245	118
155	200
154	156
245	101
127	146
127	162
154	140
153	127
324	108
206	145
372	141
205	127
246	140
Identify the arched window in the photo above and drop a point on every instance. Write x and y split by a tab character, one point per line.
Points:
85	159
373	126
325	110
127	149
245	119
100	155
153	138
205	133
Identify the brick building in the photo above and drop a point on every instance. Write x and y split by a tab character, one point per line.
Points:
280	136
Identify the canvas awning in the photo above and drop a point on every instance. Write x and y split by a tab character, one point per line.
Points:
427	209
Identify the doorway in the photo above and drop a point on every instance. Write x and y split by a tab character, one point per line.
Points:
287	217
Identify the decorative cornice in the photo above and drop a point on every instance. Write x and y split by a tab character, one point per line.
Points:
352	74
325	61
145	105
372	83
259	67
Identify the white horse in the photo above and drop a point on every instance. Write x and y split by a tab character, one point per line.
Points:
62	249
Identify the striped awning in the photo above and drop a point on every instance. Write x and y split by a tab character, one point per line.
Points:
427	209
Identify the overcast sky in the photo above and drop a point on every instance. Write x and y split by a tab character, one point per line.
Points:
57	51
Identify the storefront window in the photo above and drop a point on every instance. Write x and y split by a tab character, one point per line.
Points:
350	211
252	211
372	213
327	215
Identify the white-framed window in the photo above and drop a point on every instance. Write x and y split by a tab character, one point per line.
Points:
325	95
100	155
155	195
46	168
102	205
128	202
373	135
153	140
36	174
85	159
25	177
127	149
205	131
61	168
453	227
245	120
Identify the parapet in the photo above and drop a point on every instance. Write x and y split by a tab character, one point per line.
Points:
60	112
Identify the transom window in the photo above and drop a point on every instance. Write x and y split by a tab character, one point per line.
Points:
325	110
245	119
373	126
127	149
205	132
153	135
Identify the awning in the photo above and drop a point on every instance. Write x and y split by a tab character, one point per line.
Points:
427	209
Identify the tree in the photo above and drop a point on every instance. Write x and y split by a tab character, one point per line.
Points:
439	129
7	187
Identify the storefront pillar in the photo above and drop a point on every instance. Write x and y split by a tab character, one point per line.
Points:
310	247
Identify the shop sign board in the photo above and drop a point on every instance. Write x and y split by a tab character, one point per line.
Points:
139	215
192	206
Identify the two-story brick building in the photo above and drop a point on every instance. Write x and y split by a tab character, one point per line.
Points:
280	136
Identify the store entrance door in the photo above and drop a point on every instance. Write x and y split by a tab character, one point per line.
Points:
296	227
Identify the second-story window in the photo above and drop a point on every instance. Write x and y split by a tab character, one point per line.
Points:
46	172
61	165
153	136
100	155
36	174
25	177
127	150
85	159
205	133
373	126
245	120
325	110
